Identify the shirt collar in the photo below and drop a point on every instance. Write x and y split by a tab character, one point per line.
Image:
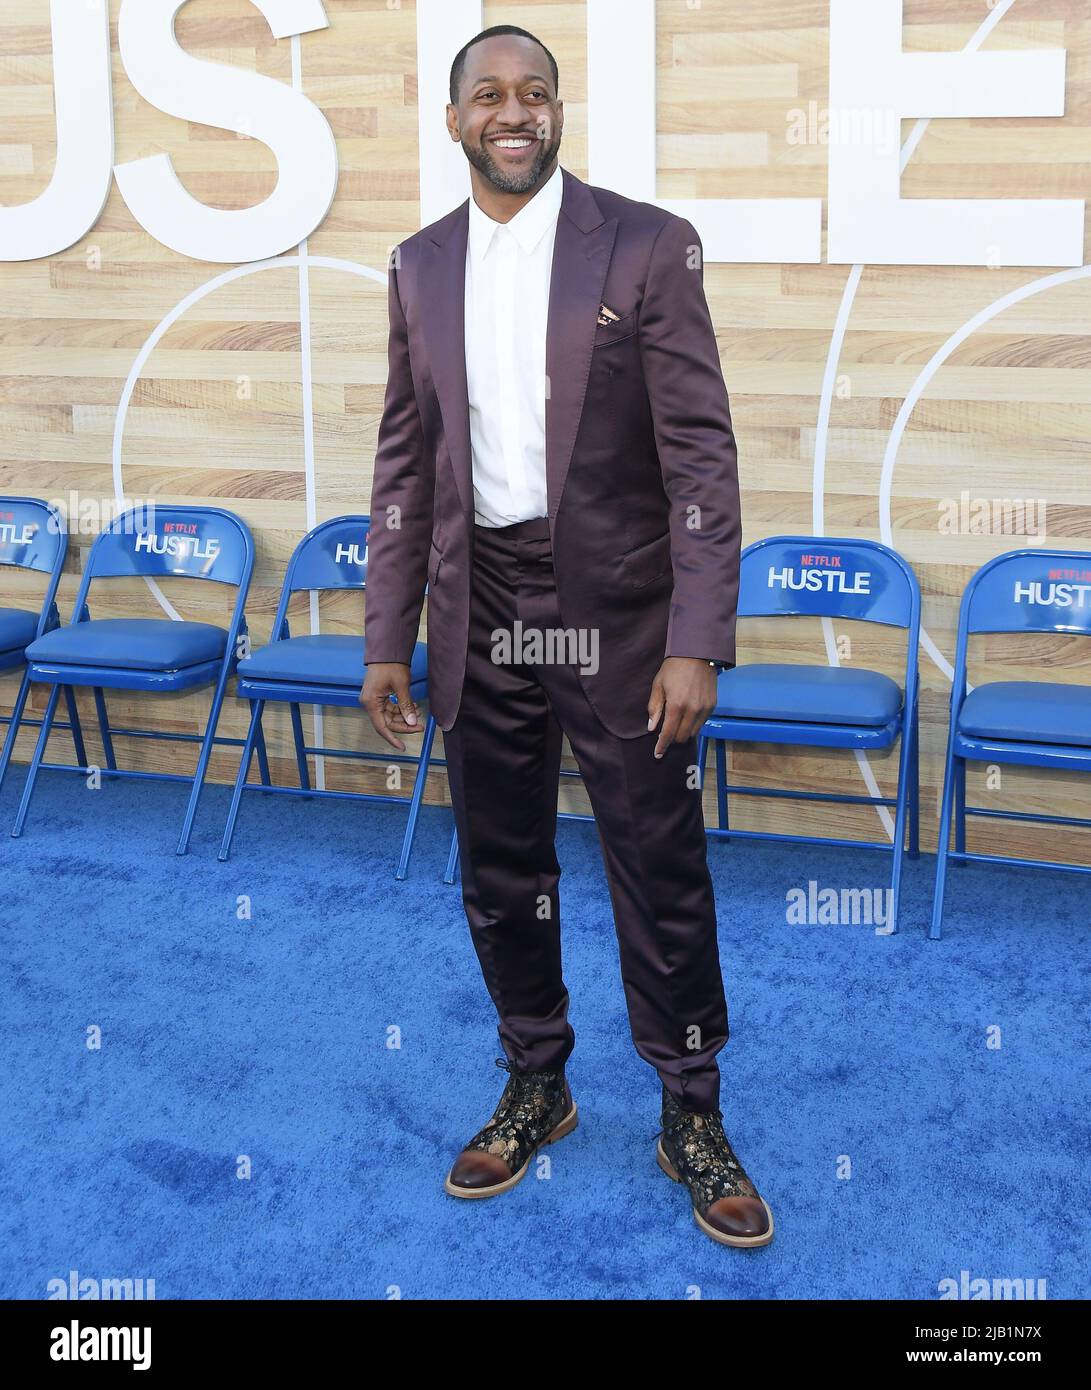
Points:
529	224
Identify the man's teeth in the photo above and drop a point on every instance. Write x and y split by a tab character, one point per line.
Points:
518	144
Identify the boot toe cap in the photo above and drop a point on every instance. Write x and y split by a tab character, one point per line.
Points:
738	1216
477	1171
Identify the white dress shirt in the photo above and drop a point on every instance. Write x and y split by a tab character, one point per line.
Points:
508	270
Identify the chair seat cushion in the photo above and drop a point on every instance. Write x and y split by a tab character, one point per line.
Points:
134	644
17	628
1028	712
320	659
807	695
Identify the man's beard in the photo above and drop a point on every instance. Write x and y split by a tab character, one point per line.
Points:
523	182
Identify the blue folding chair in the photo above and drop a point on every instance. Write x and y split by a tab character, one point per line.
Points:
1029	723
824	706
155	655
324	670
32	537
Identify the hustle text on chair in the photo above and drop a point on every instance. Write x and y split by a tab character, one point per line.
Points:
151	655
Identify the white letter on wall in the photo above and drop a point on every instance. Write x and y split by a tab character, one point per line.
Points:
443	26
873	84
80	185
620	139
621	148
195	90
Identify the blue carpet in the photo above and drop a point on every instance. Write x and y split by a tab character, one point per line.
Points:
896	1147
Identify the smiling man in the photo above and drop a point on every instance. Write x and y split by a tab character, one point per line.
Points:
556	459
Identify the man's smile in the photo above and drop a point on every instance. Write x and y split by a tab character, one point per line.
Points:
513	146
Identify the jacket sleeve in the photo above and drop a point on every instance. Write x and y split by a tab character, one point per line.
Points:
402	497
696	446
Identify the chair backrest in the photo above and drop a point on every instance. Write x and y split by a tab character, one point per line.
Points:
1031	591
828	576
156	541
33	535
331	556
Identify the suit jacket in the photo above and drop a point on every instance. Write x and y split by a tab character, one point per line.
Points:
641	465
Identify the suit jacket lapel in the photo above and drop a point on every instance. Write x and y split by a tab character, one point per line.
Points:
581	257
443	314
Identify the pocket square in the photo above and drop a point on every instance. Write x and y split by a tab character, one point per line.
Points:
606	315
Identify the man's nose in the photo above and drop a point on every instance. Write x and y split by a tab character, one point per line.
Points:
513	112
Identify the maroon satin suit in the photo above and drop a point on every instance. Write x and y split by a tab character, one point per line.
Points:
641	547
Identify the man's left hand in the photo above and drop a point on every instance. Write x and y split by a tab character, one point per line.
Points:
683	696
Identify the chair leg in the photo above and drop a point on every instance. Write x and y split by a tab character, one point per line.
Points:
419	783
944	840
36	761
202	761
300	748
960	809
104	729
263	754
702	754
13	724
702	760
721	784
256	707
915	787
452	859
77	729
905	764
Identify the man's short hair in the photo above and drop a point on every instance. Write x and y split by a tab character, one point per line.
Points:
459	65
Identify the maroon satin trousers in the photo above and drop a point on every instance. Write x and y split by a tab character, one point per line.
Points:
503	762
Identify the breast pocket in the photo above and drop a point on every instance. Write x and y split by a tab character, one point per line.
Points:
616	331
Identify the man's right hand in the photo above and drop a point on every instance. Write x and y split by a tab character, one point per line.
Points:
384	679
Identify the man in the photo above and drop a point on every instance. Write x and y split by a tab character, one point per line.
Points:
556	458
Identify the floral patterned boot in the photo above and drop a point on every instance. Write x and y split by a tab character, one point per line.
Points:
535	1109
693	1150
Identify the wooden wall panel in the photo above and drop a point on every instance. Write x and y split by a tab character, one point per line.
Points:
218	413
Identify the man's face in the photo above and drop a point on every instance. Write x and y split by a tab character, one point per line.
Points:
508	119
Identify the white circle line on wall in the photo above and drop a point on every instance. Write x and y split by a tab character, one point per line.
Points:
825	405
938	358
153	339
